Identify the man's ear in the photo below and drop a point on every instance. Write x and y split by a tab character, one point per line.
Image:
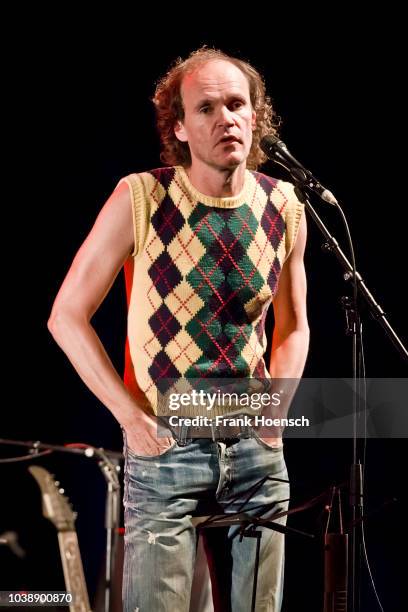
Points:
180	132
253	120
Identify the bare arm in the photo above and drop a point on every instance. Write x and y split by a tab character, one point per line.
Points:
290	340
89	279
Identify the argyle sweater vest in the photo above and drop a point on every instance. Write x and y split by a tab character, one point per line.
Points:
202	275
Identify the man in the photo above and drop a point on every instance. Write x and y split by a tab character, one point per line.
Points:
207	246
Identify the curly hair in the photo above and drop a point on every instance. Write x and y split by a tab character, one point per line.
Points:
169	107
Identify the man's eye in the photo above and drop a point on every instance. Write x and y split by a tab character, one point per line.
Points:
237	104
205	109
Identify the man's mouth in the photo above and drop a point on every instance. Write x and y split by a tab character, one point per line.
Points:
229	139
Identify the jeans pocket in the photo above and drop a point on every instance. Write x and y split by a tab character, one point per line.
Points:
128	452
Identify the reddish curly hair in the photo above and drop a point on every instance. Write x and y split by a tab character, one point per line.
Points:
169	107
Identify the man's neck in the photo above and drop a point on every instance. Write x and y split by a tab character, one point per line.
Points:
215	182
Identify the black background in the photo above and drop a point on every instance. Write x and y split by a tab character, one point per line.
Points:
79	118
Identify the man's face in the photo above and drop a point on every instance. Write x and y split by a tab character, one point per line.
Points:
218	115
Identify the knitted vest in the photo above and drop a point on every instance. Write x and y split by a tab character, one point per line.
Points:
202	275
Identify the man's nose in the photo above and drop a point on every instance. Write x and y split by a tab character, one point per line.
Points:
225	118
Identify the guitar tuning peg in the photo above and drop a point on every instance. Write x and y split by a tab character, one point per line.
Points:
62	491
75	515
57	483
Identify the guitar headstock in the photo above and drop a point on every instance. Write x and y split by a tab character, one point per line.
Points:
56	506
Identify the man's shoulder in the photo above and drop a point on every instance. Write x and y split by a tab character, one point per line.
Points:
262	177
164	175
271	184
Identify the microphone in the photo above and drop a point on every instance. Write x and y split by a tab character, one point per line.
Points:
277	151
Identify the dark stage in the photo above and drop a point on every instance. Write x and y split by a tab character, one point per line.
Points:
81	106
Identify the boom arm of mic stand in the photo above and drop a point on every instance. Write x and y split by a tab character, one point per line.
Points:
333	246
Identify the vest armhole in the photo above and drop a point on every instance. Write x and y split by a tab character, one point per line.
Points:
135	185
293	216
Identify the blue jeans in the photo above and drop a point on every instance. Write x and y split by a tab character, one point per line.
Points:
163	493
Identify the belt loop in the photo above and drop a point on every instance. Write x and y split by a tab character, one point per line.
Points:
214	431
183	435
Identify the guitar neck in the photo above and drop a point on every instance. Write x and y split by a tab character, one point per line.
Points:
73	571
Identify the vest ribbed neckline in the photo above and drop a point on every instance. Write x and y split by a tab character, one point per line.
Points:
227	202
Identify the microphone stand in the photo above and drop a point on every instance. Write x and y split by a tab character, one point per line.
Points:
353	323
108	461
110	470
77	449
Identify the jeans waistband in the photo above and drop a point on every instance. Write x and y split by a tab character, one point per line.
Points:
183	434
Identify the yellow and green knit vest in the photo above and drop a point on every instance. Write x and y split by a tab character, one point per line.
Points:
202	275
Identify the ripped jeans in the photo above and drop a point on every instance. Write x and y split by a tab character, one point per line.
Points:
163	493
